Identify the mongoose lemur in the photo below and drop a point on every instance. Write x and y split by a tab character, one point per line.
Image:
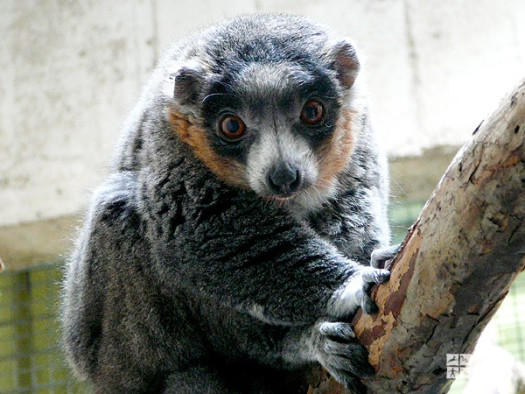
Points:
231	243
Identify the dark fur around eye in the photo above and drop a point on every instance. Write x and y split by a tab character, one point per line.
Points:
231	127
313	113
221	101
222	98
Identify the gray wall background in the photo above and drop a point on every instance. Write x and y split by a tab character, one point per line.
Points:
71	70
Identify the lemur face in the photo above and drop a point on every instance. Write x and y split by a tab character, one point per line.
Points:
271	116
274	120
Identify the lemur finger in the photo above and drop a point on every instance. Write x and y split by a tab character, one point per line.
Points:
388	264
368	305
381	258
355	386
375	275
349	357
337	331
352	383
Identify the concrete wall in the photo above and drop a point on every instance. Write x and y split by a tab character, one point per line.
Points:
71	70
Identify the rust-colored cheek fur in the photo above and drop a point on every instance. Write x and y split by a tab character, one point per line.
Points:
190	132
335	153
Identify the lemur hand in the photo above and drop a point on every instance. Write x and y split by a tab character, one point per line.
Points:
343	357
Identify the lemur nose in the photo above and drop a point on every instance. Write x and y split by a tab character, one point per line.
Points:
284	179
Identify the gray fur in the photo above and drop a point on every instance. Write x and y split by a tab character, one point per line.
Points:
181	283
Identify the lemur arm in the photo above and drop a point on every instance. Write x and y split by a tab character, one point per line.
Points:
272	267
239	268
110	233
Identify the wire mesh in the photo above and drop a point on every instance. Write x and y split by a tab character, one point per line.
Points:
30	356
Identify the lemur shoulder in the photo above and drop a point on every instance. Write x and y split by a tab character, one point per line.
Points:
230	246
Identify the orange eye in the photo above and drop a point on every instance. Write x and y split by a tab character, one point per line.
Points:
312	113
232	127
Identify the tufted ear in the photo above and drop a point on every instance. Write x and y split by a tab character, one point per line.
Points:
188	83
345	63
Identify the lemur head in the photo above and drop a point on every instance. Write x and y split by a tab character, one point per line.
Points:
266	102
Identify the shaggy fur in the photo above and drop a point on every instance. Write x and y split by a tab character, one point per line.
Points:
189	275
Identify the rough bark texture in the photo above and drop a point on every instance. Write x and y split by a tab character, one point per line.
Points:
456	264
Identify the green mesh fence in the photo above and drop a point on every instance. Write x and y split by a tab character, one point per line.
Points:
30	357
510	320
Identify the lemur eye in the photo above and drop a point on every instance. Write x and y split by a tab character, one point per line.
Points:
312	113
232	127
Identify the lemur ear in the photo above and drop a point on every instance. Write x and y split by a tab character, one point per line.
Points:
345	63
187	85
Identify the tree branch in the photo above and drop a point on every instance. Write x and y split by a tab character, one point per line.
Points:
456	263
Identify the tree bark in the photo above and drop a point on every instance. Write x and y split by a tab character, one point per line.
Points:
456	264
